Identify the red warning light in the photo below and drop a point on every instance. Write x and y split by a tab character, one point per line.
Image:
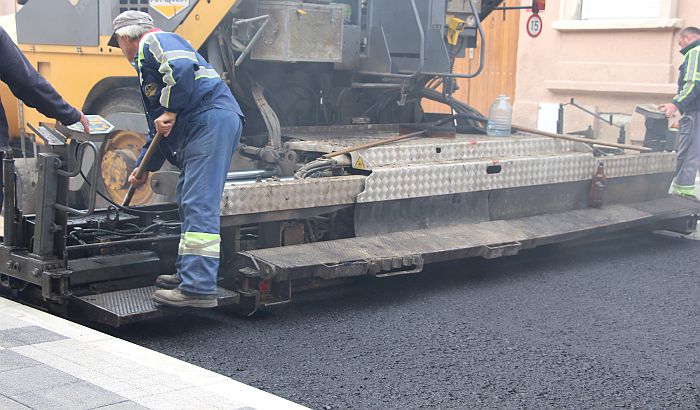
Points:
264	286
538	5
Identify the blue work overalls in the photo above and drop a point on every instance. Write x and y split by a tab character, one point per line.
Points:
175	78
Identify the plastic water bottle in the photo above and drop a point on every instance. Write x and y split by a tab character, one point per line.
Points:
500	117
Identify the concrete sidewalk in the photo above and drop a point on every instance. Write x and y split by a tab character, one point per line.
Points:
50	363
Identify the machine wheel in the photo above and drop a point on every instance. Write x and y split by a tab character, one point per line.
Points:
119	154
119	151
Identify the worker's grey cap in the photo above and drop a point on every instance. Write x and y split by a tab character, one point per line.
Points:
129	18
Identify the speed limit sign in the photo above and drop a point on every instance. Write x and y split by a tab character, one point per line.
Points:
534	25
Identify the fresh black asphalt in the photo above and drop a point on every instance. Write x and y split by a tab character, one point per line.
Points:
603	324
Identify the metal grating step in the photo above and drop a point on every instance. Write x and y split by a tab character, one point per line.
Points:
131	305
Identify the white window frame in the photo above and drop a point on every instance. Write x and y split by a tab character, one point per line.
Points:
620	9
570	13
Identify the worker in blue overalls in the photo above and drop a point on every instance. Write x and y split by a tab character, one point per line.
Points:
187	102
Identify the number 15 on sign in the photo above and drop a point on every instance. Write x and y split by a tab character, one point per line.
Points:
534	25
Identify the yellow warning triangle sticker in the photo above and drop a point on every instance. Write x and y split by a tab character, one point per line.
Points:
360	164
169	8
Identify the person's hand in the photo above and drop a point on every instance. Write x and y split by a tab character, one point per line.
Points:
669	109
164	123
85	123
137	182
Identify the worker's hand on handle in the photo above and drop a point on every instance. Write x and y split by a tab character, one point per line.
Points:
137	182
164	123
669	109
85	123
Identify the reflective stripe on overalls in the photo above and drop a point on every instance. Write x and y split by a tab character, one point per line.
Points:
200	244
164	58
691	61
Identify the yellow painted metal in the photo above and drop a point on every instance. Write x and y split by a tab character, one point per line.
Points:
9	102
454	27
74	71
202	20
74	74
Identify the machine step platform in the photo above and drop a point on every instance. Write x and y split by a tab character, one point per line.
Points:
406	252
132	305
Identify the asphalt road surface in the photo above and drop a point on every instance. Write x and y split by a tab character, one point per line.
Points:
586	325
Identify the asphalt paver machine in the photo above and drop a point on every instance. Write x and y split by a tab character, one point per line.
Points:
312	196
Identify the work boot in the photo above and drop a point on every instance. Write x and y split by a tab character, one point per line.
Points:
689	196
180	298
167	281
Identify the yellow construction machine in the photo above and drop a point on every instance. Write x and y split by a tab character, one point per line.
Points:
340	173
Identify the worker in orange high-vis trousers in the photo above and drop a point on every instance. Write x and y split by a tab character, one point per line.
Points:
687	101
187	102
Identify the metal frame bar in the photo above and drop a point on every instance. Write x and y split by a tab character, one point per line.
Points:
421	63
48	164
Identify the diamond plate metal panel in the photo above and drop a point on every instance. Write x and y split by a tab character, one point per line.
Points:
463	147
419	170
628	165
388	183
285	195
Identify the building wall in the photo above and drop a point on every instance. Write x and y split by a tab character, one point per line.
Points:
7	7
608	65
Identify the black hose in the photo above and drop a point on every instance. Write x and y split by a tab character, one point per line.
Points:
126	209
457	105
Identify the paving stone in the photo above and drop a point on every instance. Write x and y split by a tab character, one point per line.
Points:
194	398
131	394
7	403
125	405
28	335
11	322
155	389
156	380
102	380
41	376
30	351
42	369
117	387
54	361
10	360
76	396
